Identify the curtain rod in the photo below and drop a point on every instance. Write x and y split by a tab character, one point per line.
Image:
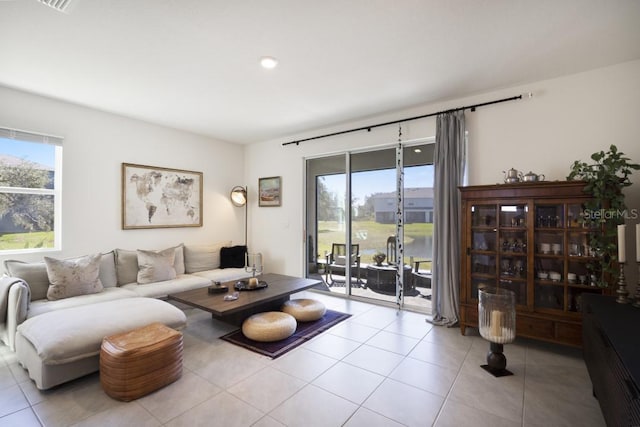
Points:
368	128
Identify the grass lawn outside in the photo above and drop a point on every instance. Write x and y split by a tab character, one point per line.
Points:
38	239
370	235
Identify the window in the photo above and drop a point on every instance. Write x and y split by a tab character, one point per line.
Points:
30	178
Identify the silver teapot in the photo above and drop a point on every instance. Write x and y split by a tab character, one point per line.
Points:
512	176
532	177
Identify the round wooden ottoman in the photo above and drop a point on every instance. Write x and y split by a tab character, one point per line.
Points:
135	363
269	326
305	310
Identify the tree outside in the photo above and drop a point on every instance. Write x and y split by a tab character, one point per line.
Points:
26	219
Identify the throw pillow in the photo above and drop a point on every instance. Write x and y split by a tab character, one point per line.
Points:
34	273
156	266
232	257
178	264
73	277
127	264
202	257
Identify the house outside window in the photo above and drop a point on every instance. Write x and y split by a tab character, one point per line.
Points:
30	188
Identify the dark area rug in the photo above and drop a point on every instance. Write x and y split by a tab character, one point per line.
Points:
304	332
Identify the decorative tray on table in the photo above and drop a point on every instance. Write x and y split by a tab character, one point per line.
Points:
243	285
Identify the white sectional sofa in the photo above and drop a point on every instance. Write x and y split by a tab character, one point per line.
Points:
26	293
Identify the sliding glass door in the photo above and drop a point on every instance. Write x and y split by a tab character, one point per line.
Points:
352	224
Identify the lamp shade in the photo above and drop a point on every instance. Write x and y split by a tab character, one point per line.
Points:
238	196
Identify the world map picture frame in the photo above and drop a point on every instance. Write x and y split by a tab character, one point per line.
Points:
158	197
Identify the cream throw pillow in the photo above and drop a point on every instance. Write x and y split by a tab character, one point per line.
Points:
203	257
156	266
73	277
127	264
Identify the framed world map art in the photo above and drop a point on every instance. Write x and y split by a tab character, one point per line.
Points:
154	197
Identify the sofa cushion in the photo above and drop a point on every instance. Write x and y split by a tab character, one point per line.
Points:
156	266
39	307
35	274
72	277
233	256
203	257
108	270
179	259
224	274
181	283
127	264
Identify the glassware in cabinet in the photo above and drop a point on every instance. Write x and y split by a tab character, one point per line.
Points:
483	265
549	215
575	215
549	295
483	216
519	287
513	215
484	240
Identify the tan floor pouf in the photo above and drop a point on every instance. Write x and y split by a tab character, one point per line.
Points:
269	326
305	310
138	362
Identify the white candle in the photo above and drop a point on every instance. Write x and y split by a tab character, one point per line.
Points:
638	242
621	254
496	320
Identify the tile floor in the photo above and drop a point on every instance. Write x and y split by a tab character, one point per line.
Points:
379	368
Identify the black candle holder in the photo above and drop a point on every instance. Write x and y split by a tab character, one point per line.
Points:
496	361
497	324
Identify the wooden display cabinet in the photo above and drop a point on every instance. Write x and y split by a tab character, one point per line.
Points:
528	238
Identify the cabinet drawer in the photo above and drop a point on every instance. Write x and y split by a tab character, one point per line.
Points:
569	332
532	327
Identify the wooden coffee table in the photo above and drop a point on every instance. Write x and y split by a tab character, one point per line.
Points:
249	302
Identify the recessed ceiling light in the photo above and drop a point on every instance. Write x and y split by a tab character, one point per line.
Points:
417	150
268	62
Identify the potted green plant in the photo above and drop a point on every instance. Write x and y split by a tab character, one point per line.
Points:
378	258
604	180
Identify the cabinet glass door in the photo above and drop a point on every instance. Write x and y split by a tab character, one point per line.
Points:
549	255
512	249
484	247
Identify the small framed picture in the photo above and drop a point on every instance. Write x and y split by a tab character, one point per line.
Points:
270	191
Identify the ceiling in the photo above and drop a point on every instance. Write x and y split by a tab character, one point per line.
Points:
194	64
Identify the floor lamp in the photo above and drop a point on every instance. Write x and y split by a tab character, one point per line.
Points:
238	198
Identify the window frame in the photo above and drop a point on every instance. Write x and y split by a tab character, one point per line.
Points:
56	191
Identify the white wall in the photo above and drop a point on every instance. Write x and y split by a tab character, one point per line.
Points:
95	146
567	119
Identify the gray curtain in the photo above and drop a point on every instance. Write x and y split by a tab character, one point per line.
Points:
449	164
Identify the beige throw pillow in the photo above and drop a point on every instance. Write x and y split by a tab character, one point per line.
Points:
203	257
34	273
156	266
127	264
73	277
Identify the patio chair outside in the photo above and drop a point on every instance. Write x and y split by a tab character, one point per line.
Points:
337	260
421	277
391	249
